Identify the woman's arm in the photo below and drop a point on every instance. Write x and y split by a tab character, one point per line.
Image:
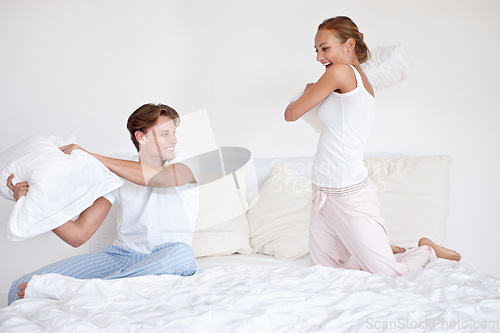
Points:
143	174
336	77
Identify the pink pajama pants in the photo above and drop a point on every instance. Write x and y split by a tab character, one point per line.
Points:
347	231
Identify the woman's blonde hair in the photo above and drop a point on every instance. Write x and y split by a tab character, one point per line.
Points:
345	28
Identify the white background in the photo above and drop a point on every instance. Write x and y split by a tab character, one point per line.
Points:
84	66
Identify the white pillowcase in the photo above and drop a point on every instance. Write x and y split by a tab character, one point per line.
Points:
61	186
279	220
222	226
387	66
413	194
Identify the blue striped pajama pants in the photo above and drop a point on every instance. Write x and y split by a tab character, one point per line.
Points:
116	262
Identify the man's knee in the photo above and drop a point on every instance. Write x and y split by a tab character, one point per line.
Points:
180	260
190	268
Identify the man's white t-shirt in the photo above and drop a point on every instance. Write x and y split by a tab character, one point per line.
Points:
151	216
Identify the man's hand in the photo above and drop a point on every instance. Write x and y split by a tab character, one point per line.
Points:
69	148
19	189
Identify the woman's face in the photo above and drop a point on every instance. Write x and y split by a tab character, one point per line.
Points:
330	50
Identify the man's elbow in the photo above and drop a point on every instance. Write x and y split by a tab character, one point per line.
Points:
289	116
164	178
76	242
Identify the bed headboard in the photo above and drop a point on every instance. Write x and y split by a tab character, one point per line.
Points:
413	191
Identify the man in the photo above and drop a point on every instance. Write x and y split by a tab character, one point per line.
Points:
158	208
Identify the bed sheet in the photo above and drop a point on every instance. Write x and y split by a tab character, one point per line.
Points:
259	295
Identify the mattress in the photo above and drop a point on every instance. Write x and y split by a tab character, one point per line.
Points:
258	293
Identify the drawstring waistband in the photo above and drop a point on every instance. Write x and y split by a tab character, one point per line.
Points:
319	201
321	193
344	190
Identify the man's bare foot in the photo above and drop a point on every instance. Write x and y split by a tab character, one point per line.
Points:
22	288
441	252
397	249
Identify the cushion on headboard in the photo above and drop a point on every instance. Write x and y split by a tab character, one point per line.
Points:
222	226
413	193
279	219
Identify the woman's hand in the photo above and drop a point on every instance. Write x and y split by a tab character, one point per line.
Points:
69	148
396	249
19	189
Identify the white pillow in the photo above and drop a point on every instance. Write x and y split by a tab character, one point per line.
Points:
279	220
413	193
387	66
222	226
61	186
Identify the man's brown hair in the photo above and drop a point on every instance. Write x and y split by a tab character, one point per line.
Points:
146	117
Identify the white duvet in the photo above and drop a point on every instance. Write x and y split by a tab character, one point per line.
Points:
445	296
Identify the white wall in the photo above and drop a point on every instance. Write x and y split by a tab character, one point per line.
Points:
84	66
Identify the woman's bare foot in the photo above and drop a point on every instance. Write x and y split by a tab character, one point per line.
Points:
397	249
441	252
22	288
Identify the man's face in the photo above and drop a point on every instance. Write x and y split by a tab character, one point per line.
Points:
160	140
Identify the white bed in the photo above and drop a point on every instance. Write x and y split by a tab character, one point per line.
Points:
272	286
256	293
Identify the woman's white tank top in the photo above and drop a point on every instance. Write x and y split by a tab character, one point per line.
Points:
347	120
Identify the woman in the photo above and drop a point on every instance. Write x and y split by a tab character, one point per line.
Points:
346	228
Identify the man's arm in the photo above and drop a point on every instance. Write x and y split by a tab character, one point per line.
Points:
78	232
148	175
143	174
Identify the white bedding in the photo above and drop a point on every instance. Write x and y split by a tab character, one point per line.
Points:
257	293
